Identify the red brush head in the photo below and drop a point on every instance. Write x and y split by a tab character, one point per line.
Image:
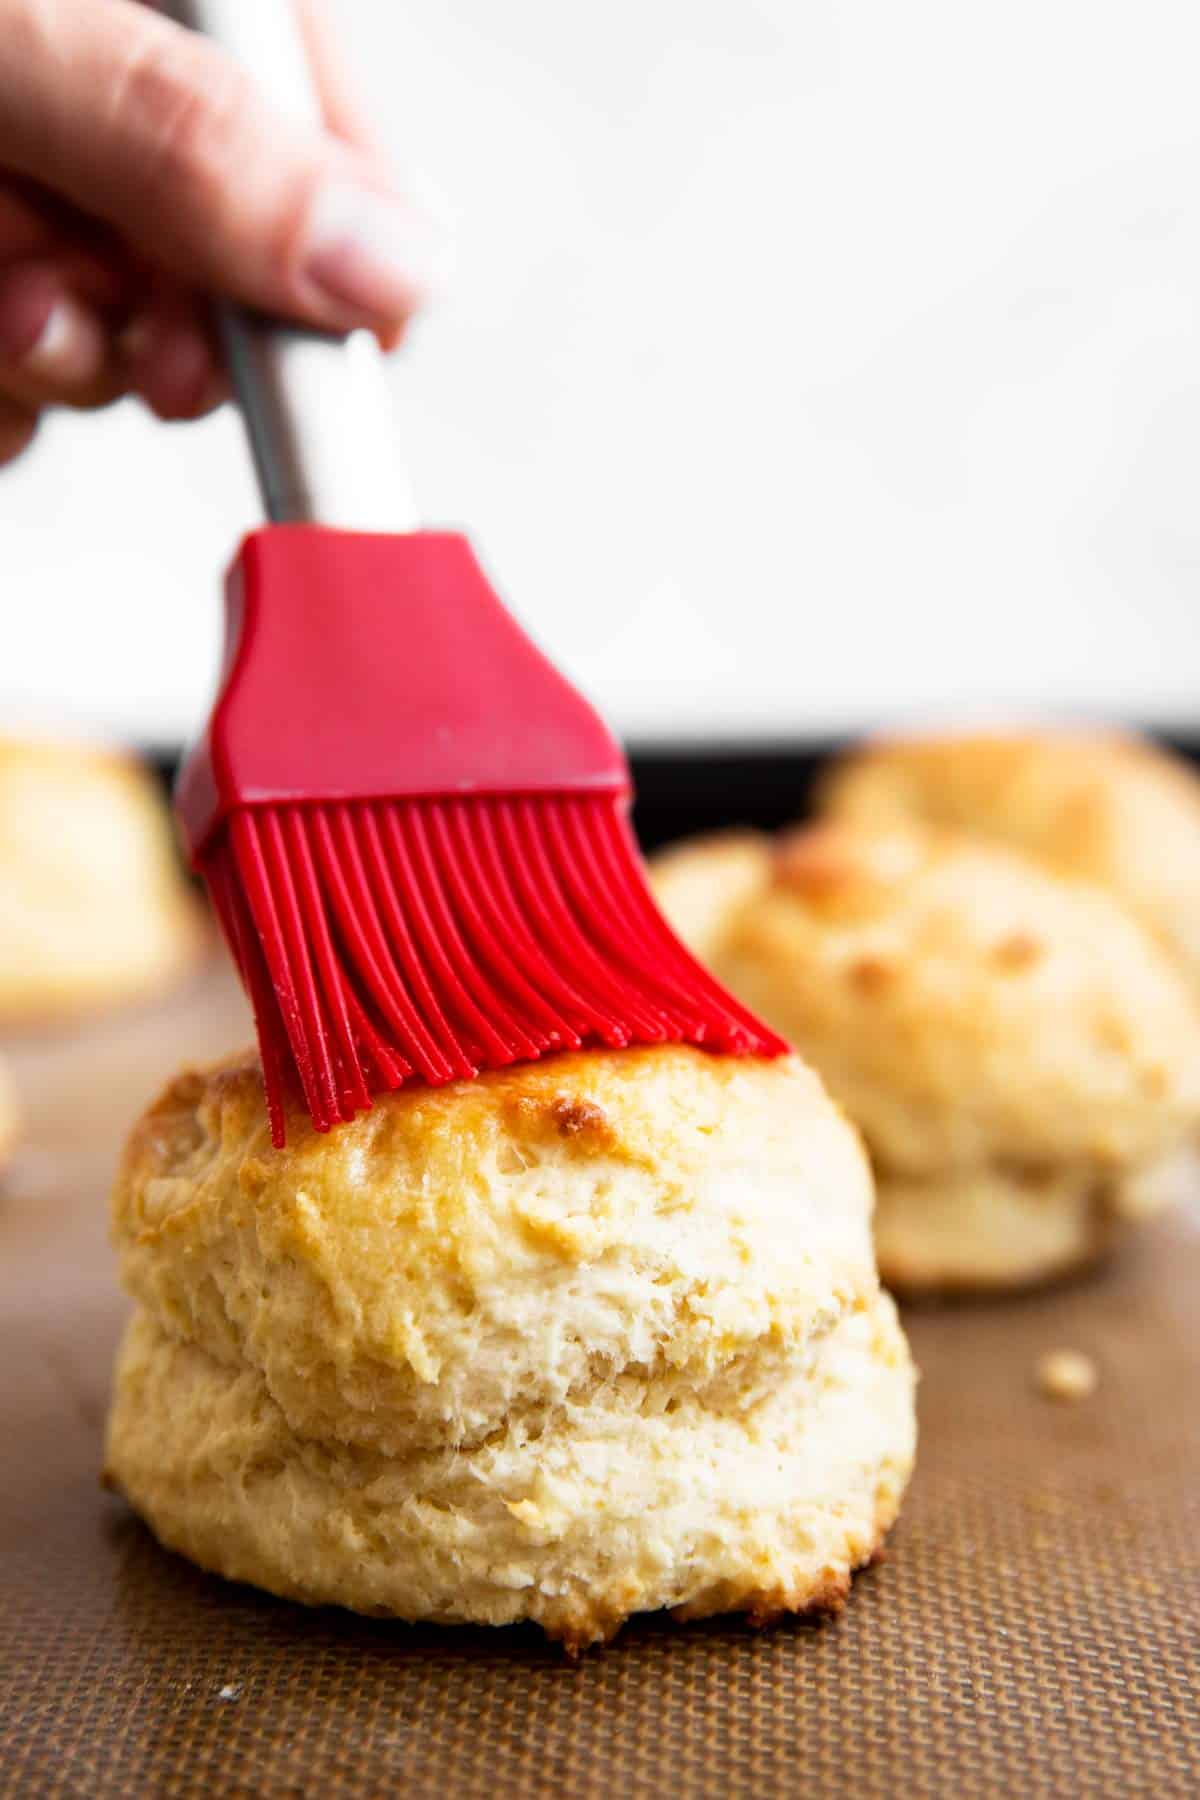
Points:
415	834
360	665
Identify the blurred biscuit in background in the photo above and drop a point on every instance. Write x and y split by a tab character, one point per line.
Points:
1102	805
702	883
1021	1057
94	906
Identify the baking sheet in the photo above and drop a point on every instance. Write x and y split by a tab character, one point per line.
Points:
1035	1629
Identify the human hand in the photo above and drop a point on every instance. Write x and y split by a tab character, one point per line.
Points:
141	172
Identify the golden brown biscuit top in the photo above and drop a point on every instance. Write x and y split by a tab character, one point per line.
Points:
666	1108
836	873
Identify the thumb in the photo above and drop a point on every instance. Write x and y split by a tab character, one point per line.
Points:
155	131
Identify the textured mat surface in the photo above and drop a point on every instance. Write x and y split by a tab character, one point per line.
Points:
1035	1629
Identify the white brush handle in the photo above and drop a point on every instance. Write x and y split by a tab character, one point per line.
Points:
315	405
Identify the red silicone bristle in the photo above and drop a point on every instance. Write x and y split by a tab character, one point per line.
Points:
382	941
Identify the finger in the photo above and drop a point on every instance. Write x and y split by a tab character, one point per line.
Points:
17	426
26	230
172	361
54	347
341	103
156	131
38	226
348	117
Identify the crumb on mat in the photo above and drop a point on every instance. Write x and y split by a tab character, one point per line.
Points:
1066	1375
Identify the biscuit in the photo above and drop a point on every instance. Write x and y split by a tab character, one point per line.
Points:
572	1341
1103	806
93	907
1022	1059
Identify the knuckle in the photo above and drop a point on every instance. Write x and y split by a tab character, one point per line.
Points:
188	101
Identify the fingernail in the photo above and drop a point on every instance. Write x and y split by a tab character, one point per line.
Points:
67	351
70	347
370	254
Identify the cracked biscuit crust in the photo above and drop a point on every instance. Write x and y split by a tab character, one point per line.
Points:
763	1503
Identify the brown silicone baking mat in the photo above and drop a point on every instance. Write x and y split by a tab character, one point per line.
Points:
1035	1629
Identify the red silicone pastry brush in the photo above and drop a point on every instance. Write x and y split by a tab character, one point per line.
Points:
415	832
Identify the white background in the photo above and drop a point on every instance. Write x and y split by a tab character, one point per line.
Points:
806	362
